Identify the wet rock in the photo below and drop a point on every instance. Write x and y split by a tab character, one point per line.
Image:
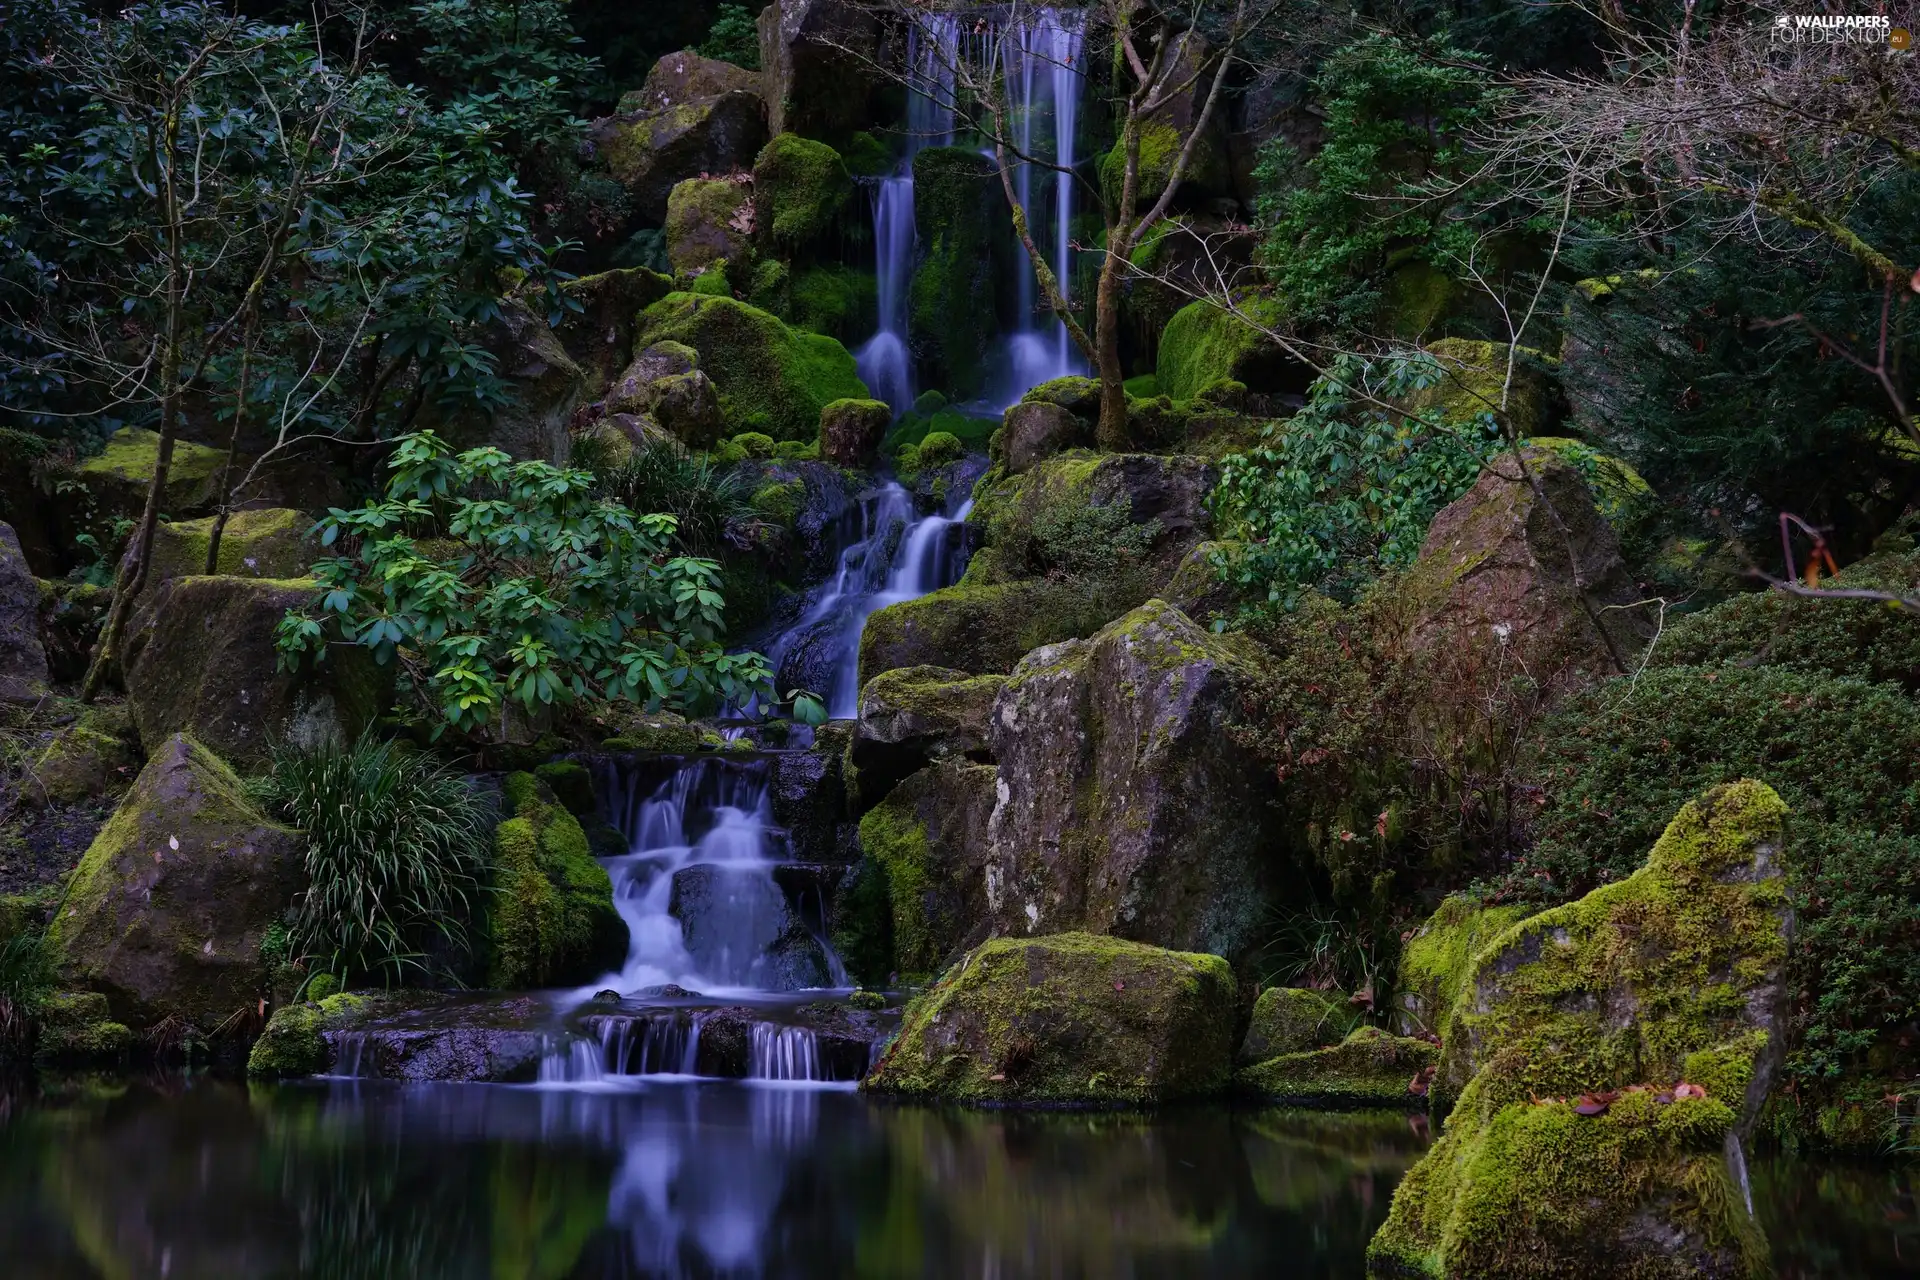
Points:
684	77
910	716
23	658
599	336
1036	430
553	921
927	844
1124	806
294	1042
850	431
709	221
96	756
740	926
1576	1030
1503	570
816	60
78	1029
1370	1068
979	629
1032	521
648	153
801	189
1071	1018
959	218
200	659
165	913
1294	1020
810	797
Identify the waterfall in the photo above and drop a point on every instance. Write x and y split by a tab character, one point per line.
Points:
892	557
783	1053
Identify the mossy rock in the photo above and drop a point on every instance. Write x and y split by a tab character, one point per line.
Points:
1370	1068
551	921
1294	1020
166	911
1474	375
910	716
572	785
1204	345
1435	962
78	1029
772	379
118	478
201	659
94	758
850	431
269	543
927	840
23	653
599	336
1672	976
800	189
705	224
1076	394
1070	1019
543	388
975	629
958	213
840	301
650	152
294	1042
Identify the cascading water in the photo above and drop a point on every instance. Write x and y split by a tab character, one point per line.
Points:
894	557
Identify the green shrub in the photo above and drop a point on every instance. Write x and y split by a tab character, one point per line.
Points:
396	846
733	38
706	500
26	976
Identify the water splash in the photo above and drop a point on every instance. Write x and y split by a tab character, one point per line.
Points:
775	1052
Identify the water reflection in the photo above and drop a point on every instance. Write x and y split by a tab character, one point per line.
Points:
683	1179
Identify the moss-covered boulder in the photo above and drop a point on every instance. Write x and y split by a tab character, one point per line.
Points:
1613	1051
1503	571
957	211
817	60
1436	960
800	189
1473	376
294	1042
552	921
269	543
709	221
200	659
685	76
1204	345
165	914
23	657
913	715
1125	807
926	844
1369	1068
850	431
1294	1020
976	629
118	477
771	378
650	151
599	336
1035	430
544	386
1165	131
1068	1019
93	758
77	1028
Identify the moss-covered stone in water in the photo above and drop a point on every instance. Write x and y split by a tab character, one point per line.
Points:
294	1042
1294	1020
572	784
119	476
1672	975
1068	1019
1370	1068
552	921
772	379
800	188
1204	344
1435	962
76	1028
952	297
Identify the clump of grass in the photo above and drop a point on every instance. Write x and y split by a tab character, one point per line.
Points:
26	975
396	850
713	504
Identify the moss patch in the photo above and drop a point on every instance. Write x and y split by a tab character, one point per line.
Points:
1204	345
255	544
1435	962
1294	1020
1474	376
1370	1068
552	921
118	477
76	1028
800	189
953	298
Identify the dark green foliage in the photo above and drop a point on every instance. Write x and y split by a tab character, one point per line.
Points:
396	846
1397	115
26	976
706	500
863	924
1083	541
1844	754
733	38
953	296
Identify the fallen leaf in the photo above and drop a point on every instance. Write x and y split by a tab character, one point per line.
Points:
173	843
998	1079
1119	986
1685	1090
1590	1106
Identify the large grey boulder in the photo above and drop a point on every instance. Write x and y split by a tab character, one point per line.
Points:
165	914
926	843
1125	807
915	715
1035	430
23	658
816	60
685	76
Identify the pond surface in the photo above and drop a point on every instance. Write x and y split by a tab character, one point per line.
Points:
204	1179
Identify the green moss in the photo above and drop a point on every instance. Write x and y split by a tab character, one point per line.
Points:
1475	376
1070	1018
1435	962
572	784
321	986
896	840
866	156
552	921
1159	148
77	1028
938	448
772	379
1294	1020
702	234
118	477
781	501
294	1042
1370	1068
255	544
93	758
953	297
1203	345
974	628
712	283
754	444
1077	395
1144	387
1415	298
800	189
833	299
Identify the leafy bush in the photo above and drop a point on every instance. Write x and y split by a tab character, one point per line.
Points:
1344	489
733	38
396	852
523	586
709	503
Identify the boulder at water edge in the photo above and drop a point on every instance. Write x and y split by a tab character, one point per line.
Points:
23	658
1071	1018
1125	806
200	659
552	921
816	60
165	913
1369	1068
1613	1051
1294	1020
1035	430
